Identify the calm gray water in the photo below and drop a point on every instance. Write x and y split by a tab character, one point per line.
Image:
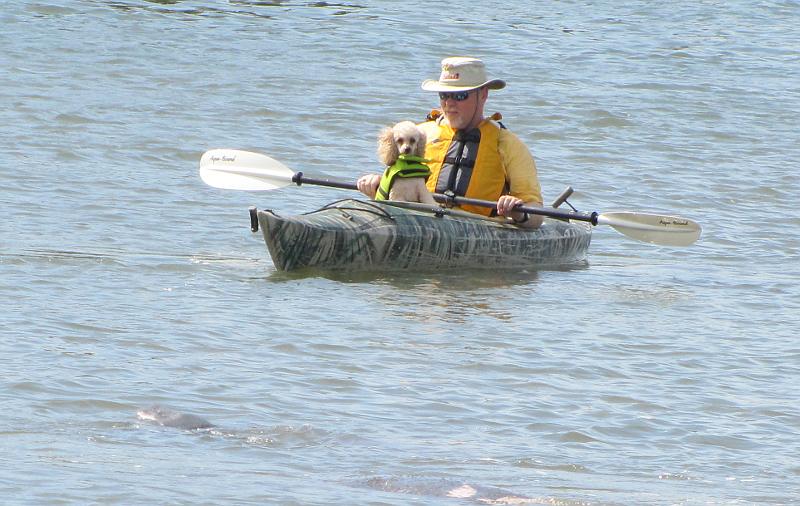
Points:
650	376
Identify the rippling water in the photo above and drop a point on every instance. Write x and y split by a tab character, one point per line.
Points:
650	376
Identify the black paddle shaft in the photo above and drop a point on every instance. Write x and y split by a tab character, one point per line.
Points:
298	178
552	213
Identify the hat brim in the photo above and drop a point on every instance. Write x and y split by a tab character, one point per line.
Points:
431	85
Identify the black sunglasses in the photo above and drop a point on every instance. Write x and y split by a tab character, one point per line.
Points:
458	96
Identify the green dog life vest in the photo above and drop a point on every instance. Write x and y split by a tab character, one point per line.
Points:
405	166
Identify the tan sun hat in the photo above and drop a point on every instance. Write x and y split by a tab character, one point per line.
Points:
461	73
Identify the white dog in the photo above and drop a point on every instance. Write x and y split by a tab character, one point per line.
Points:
404	138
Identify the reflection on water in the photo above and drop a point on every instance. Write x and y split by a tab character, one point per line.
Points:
455	279
246	7
116	256
456	297
453	296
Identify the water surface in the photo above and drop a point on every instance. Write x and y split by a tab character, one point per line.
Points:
651	375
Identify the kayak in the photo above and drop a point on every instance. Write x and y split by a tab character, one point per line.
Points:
360	235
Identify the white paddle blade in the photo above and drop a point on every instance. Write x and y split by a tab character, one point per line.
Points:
653	228
233	169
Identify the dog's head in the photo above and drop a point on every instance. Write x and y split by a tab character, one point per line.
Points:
404	138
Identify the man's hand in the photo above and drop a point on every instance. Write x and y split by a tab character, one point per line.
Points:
506	205
368	184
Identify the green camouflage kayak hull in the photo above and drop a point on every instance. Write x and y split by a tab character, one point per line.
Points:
366	235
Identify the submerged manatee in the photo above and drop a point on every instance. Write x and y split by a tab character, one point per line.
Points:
446	488
169	418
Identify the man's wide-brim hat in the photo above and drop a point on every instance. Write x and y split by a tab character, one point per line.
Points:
462	74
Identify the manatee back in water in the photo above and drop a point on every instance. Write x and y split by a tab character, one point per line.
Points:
169	418
445	488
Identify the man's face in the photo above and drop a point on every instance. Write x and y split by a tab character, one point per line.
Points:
466	113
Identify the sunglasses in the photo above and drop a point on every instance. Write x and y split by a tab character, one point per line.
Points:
458	96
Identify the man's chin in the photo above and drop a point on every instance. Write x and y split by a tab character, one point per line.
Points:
455	122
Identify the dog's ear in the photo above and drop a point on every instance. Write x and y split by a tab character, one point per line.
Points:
387	149
422	140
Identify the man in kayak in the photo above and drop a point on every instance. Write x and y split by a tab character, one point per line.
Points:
470	155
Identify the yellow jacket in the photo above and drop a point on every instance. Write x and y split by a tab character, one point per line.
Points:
484	163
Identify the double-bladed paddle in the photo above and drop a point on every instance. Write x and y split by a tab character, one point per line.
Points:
234	169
